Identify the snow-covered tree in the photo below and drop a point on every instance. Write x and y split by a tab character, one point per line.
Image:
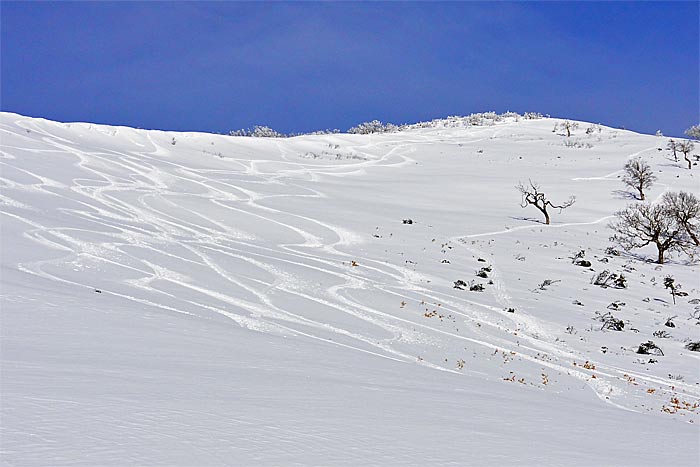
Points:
533	195
259	131
375	126
638	175
693	132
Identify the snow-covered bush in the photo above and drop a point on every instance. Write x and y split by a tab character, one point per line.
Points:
327	131
375	126
693	132
259	131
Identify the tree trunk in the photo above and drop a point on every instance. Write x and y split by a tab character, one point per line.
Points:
689	164
692	235
661	254
546	216
641	194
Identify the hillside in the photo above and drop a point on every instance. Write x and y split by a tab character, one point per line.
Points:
199	299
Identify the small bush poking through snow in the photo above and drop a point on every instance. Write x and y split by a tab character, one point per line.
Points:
613	324
607	279
649	348
578	259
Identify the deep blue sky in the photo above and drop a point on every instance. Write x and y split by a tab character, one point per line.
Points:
306	66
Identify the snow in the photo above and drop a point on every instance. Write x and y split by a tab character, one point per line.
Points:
254	301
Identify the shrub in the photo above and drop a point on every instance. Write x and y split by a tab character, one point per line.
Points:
649	348
375	126
607	279
613	324
259	131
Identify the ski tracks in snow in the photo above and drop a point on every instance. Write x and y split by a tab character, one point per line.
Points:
134	219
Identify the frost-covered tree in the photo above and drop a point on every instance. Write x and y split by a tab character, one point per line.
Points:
375	126
693	132
259	131
533	195
686	147
639	225
638	175
685	207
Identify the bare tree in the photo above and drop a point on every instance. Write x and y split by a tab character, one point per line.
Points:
673	146
568	126
639	225
638	175
533	195
686	147
685	207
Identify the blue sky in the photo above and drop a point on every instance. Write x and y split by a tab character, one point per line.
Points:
305	66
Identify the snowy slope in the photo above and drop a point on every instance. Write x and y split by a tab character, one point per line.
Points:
197	299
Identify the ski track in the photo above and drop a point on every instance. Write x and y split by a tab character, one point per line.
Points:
126	197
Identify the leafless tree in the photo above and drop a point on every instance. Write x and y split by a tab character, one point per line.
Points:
533	195
639	225
685	207
568	126
673	146
638	175
686	147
